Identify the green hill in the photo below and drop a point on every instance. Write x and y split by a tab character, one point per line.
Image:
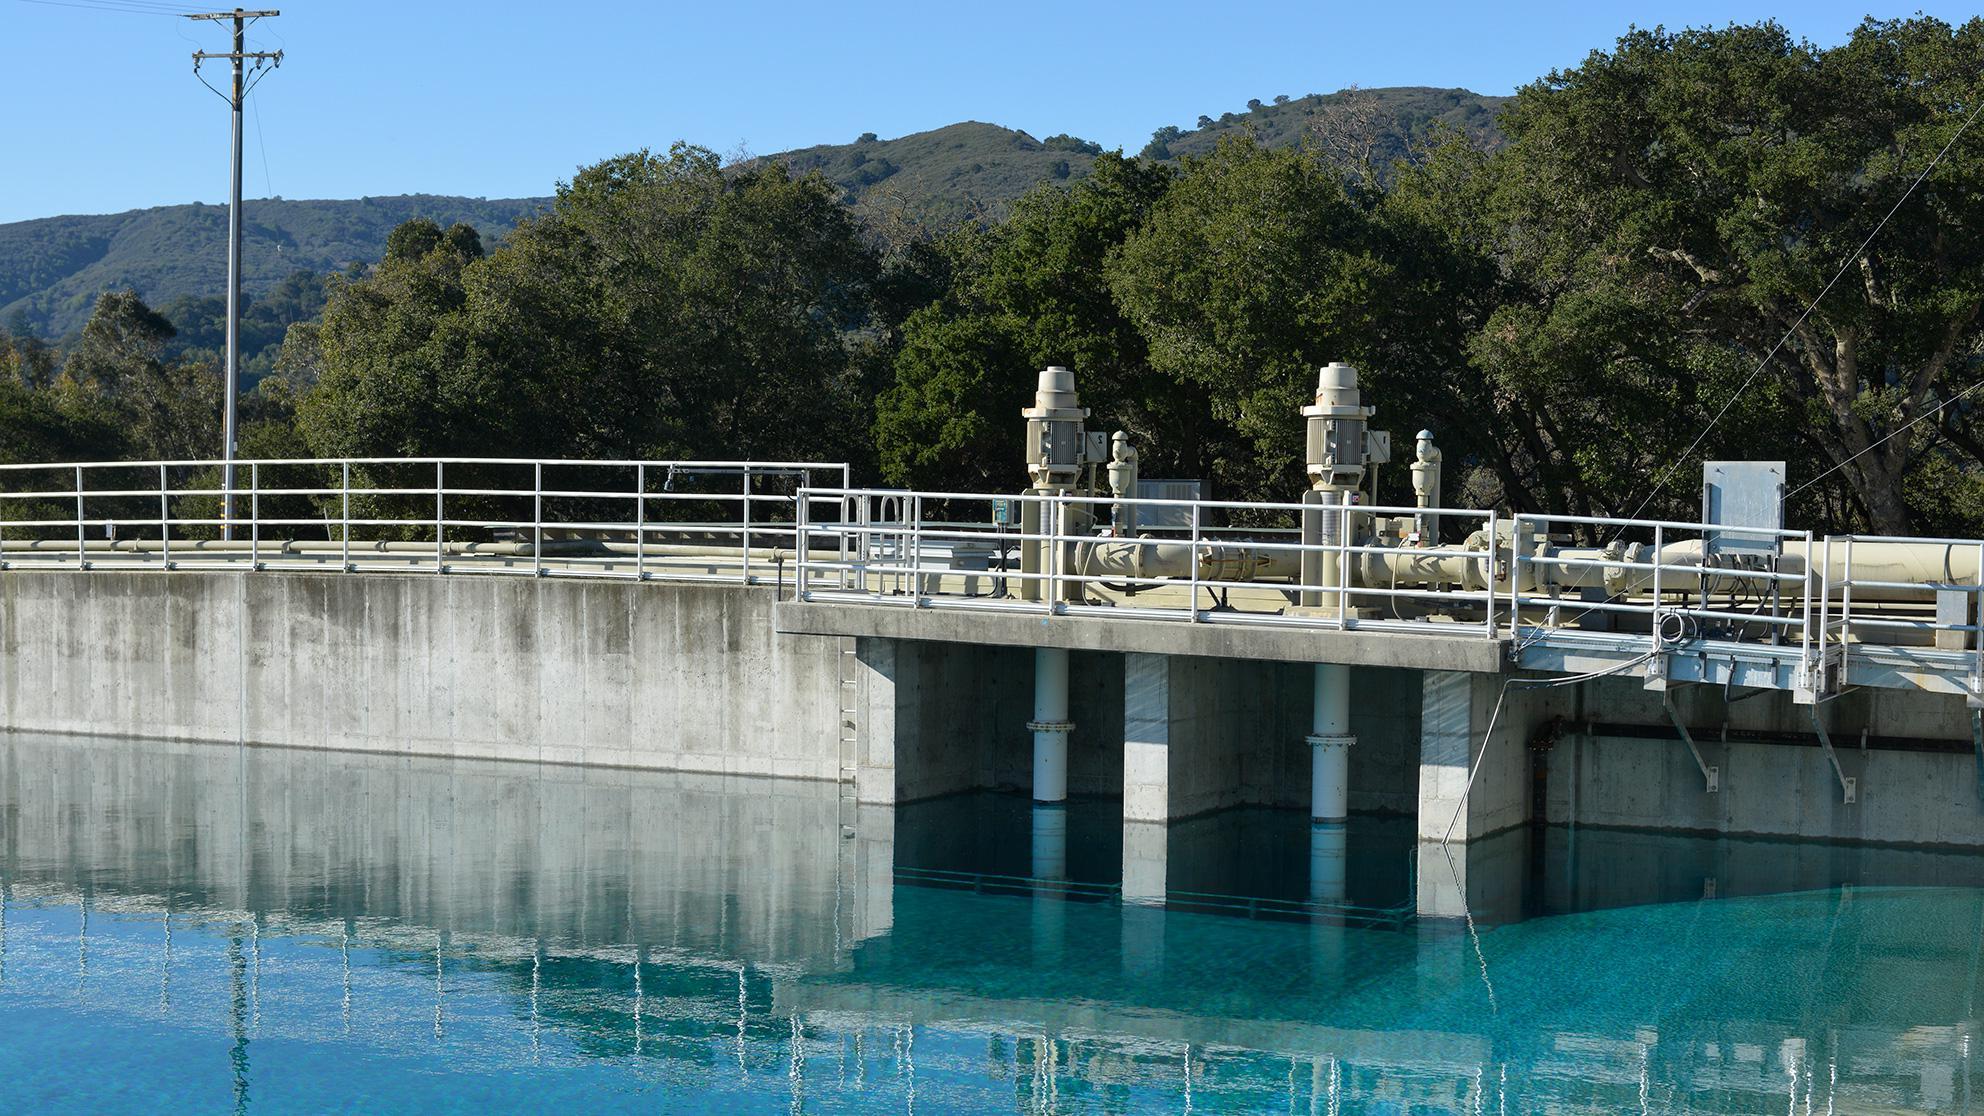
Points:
52	268
1383	124
964	171
974	170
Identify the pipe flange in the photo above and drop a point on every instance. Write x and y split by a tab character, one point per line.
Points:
1332	741
1050	726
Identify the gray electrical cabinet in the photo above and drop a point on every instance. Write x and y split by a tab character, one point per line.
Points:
1742	494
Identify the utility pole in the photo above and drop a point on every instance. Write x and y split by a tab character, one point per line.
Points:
236	94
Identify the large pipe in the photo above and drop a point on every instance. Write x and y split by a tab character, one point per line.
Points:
1050	725
1329	744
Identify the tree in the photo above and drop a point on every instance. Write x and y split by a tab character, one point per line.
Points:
661	308
1030	293
1159	146
1254	268
1672	207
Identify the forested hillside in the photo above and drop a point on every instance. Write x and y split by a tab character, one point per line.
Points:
52	269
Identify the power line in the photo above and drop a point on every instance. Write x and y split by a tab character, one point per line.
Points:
1931	412
109	6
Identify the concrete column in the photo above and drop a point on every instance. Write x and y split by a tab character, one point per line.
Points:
1146	738
1146	778
875	720
1050	725
1454	713
1329	745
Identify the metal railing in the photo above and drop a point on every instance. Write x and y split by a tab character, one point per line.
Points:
1920	620
1645	591
675	520
885	546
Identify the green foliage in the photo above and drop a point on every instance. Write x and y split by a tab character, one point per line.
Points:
661	308
1029	293
1669	208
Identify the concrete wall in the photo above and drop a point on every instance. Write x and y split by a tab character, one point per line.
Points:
1916	781
682	677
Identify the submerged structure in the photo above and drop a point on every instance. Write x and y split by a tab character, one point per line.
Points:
1098	634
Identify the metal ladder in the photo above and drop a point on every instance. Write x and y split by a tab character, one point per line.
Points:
849	667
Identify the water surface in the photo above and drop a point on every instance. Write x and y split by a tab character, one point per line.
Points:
199	928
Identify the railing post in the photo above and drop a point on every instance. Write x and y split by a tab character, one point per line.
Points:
747	524
254	516
82	563
537	519
1805	613
915	508
1659	537
1515	571
641	522
1343	506
1846	615
1050	526
1825	608
440	514
1192	558
344	517
164	521
1489	623
801	528
1976	621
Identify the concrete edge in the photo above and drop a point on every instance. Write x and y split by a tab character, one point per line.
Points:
1471	654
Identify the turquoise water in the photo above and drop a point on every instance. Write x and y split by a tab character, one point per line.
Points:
205	929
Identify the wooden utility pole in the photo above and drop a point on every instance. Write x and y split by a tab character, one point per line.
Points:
237	92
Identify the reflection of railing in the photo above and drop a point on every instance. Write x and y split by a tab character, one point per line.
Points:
697	520
886	546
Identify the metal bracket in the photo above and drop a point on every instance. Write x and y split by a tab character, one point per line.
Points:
1849	787
1712	776
1656	672
1977	744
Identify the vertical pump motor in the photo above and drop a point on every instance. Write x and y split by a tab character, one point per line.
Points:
1336	430
1054	435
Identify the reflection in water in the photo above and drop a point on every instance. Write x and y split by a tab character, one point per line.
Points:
258	930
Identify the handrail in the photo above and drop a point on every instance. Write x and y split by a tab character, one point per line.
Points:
572	529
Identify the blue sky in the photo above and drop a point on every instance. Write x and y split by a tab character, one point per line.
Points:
503	99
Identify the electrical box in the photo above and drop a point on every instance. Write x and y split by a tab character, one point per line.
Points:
1378	447
1742	494
1164	515
1095	450
1002	512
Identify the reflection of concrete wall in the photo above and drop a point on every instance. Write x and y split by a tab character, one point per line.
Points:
572	855
1785	788
683	677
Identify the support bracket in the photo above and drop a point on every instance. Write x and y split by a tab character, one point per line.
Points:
1849	787
1711	776
1977	743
